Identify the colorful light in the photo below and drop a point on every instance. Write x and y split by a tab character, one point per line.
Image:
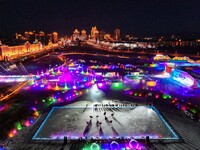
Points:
56	88
14	131
2	108
10	135
114	145
93	81
157	96
36	113
27	123
65	87
117	86
135	94
49	87
31	120
18	126
165	96
33	108
32	82
133	144
94	146
182	77
151	83
100	85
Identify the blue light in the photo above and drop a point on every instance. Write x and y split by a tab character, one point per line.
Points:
31	120
160	116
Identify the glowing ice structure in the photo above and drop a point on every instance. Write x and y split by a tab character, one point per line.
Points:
182	77
62	78
15	78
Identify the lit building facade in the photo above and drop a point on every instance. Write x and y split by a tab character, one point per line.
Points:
42	37
83	36
117	34
7	52
94	33
76	35
29	36
108	37
55	37
49	37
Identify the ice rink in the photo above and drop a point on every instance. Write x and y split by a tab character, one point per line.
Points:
104	121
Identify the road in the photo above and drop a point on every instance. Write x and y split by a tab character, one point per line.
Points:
143	52
14	91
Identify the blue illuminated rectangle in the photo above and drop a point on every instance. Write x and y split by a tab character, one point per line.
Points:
128	121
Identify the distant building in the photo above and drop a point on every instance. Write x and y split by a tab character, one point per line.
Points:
19	37
108	37
49	37
76	35
42	37
83	35
94	33
6	52
29	36
117	34
34	37
55	37
101	35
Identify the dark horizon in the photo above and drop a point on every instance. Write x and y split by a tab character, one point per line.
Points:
137	18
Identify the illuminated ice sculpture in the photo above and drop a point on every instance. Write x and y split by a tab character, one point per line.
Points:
182	77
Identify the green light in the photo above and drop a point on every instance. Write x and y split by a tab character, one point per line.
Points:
94	146
135	94
18	126
66	88
32	82
164	96
194	110
117	86
86	146
43	101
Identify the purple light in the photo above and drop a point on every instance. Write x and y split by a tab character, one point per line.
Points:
114	145
100	84
133	144
33	108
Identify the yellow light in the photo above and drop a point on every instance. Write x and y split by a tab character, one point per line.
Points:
93	82
56	88
151	83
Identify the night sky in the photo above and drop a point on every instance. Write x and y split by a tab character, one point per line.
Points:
136	17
